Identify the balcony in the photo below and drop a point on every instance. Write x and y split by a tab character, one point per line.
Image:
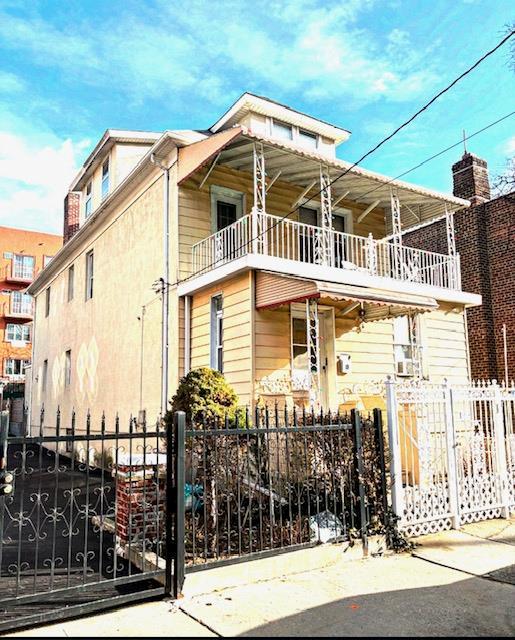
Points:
289	242
21	274
19	310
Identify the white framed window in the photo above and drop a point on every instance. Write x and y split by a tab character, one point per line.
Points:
307	139
281	130
404	338
44	375
21	303
227	206
71	282
217	355
105	178
23	266
15	367
17	332
88	200
46	260
47	302
67	368
89	274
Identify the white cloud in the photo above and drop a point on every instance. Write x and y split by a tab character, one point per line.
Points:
35	173
509	146
288	46
10	83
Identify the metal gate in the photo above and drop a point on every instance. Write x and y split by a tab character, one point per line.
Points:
83	519
452	453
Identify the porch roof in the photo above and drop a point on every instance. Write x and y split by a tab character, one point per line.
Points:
274	290
233	148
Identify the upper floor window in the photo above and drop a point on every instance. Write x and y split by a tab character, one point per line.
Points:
71	282
67	368
226	207
21	303
23	267
15	367
89	274
308	139
44	375
17	333
217	356
105	178
47	302
88	201
282	130
46	260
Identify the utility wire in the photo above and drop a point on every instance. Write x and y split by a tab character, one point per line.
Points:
364	156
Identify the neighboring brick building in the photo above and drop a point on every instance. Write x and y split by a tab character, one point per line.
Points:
483	240
22	255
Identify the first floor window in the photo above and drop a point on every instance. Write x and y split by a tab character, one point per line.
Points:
68	368
217	333
17	332
405	340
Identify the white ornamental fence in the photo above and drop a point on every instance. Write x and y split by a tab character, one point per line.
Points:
452	451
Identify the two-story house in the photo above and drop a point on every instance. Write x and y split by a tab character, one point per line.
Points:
284	268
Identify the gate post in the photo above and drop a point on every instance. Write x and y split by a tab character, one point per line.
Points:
379	440
395	449
500	449
358	446
450	440
175	445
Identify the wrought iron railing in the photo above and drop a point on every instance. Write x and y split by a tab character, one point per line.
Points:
282	238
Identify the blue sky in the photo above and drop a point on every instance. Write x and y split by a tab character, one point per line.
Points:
69	70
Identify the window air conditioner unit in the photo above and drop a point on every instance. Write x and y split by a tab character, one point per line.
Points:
405	368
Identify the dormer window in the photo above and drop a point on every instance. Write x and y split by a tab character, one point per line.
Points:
88	202
282	131
308	139
105	178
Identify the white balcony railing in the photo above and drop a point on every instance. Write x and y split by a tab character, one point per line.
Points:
290	240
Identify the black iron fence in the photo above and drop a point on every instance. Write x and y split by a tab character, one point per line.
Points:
82	518
278	480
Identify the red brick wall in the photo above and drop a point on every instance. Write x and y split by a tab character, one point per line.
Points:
71	215
485	235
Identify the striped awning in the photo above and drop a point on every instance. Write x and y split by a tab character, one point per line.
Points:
274	290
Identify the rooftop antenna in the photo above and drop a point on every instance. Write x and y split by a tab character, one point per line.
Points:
464	141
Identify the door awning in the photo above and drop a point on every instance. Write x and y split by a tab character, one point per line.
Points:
274	289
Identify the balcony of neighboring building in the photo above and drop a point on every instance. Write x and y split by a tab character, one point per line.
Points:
20	270
20	307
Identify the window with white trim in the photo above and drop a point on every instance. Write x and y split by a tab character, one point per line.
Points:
307	139
404	339
15	367
226	207
17	332
88	200
217	355
105	178
89	274
23	266
281	130
46	260
21	303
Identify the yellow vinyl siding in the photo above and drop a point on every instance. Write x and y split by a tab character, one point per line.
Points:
237	335
195	208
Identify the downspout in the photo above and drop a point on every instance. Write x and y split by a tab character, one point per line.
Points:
187	334
165	283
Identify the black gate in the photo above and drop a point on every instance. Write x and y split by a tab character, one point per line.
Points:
83	519
274	481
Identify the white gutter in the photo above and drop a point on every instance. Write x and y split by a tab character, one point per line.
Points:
187	334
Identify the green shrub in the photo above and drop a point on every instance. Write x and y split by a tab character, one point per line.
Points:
204	394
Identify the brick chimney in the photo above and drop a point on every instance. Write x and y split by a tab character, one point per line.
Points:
71	215
470	178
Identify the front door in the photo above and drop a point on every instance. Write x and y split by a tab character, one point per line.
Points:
328	397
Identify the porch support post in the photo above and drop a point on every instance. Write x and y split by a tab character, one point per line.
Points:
396	234
451	244
323	245
395	449
312	326
259	207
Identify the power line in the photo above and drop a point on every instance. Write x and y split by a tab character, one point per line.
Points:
364	156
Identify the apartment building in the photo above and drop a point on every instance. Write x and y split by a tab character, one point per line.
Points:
284	268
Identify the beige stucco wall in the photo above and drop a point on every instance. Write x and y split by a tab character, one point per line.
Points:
104	333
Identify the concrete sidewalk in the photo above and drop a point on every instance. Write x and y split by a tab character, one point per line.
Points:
397	595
